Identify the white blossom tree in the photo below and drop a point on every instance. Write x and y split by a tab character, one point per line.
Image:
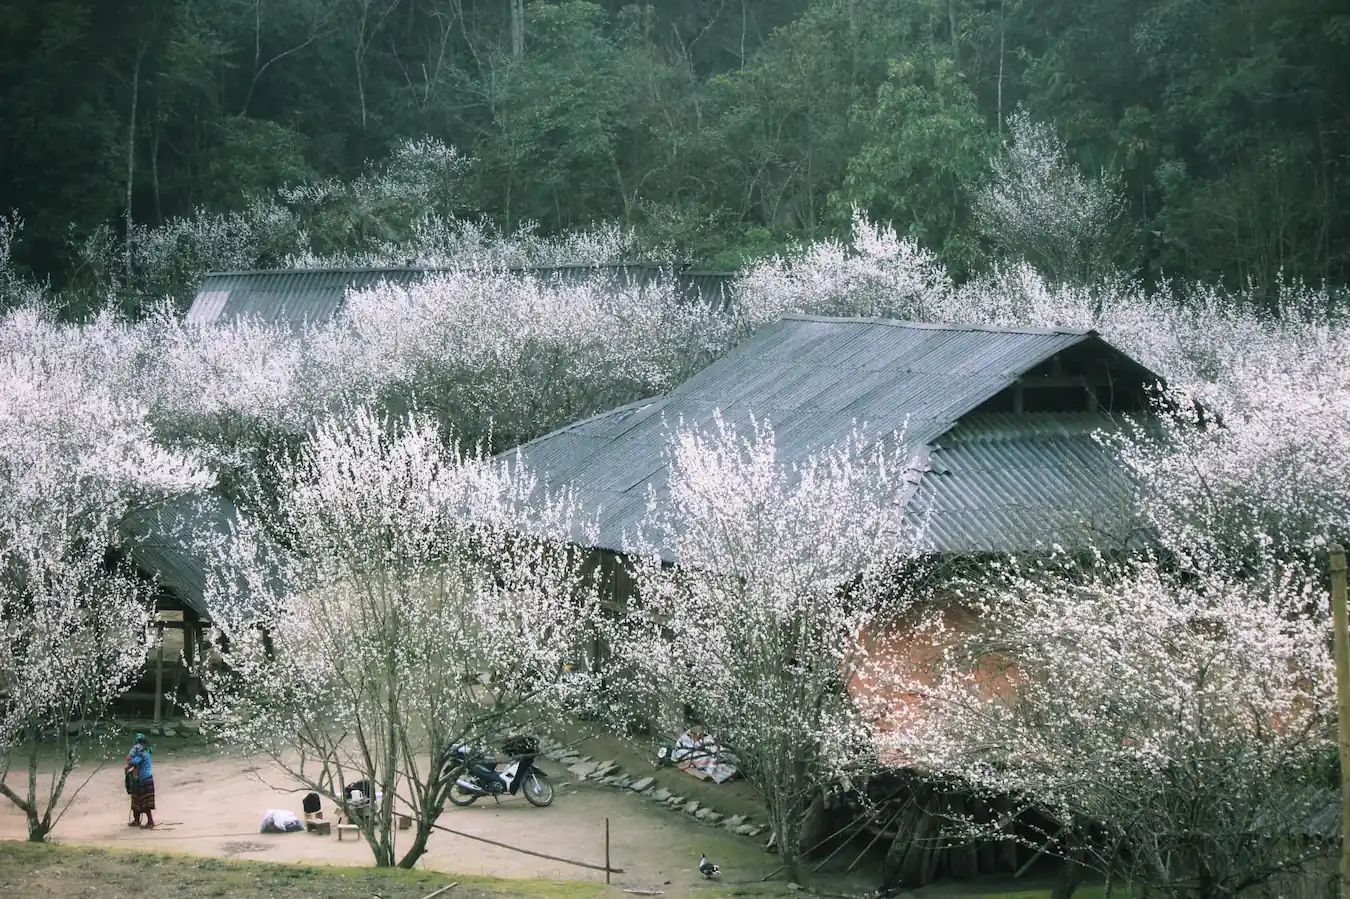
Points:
1257	463
77	456
1176	726
426	599
1039	207
14	289
876	273
514	355
778	571
409	208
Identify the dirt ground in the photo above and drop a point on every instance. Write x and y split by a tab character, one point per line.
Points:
211	804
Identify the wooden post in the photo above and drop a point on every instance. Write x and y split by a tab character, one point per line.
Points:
606	850
159	674
1339	617
191	630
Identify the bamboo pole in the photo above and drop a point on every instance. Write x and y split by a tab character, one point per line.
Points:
159	676
552	858
1339	617
606	850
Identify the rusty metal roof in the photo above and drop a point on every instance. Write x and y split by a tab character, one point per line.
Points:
997	482
295	297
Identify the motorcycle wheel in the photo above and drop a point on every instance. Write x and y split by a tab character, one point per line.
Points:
460	796
538	791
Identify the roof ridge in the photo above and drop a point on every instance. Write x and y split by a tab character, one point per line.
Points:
431	269
599	416
940	326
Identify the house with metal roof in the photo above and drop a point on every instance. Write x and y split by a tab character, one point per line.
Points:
165	544
999	424
296	297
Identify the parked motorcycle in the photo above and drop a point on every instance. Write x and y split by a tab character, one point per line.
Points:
475	775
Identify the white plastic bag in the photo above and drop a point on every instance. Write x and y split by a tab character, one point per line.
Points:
277	820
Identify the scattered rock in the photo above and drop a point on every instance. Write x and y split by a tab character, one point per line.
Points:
236	848
675	801
746	830
607	763
169	732
624	781
691	807
712	818
660	795
734	822
582	770
555	755
603	771
642	784
792	886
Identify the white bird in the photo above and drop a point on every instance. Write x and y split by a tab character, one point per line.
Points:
707	868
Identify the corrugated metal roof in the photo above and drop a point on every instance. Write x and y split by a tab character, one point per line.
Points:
1000	482
295	297
162	543
1307	810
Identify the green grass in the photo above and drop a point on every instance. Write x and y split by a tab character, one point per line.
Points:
29	871
38	871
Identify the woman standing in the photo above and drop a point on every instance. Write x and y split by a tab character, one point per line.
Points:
140	784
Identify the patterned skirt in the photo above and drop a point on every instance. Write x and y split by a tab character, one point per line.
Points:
143	796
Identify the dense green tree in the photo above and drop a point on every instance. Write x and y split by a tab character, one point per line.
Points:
926	147
722	128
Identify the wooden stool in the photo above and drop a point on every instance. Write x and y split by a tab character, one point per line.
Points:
322	828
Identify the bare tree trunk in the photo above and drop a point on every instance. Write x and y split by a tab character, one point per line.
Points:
1072	874
744	16
956	44
517	28
259	66
785	825
1002	32
154	173
366	32
131	152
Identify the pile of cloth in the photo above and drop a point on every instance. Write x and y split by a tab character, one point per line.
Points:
697	753
277	820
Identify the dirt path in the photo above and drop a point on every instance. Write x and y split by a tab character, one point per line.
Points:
212	805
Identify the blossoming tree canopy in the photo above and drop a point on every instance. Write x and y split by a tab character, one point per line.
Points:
77	456
425	598
1152	702
778	567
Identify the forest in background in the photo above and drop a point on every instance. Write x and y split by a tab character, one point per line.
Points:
719	131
